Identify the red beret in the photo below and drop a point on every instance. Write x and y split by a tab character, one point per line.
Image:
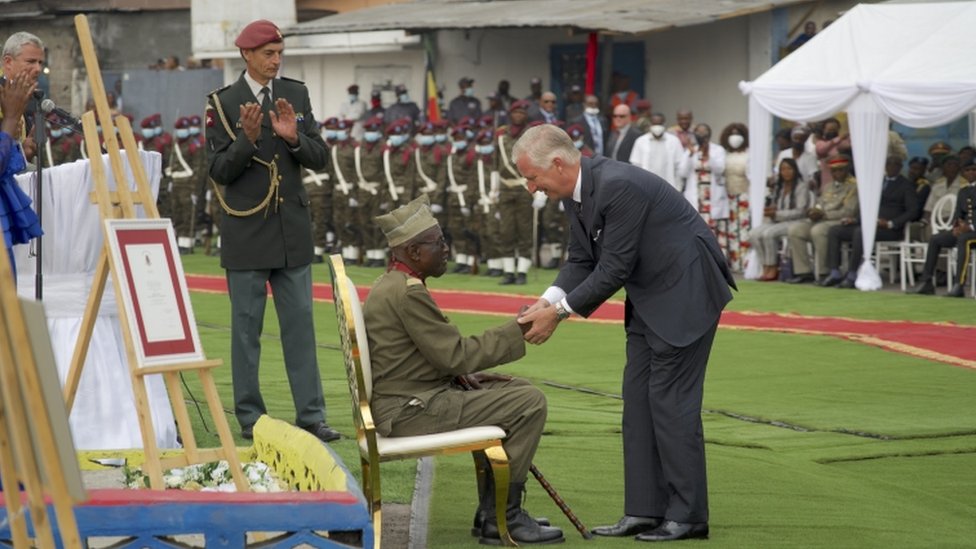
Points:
257	34
486	135
399	126
373	123
182	122
839	161
194	120
150	121
342	124
460	129
575	131
330	122
520	104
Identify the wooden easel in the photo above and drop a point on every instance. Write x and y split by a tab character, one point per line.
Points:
28	454
121	204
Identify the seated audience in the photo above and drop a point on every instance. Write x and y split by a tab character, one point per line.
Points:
789	203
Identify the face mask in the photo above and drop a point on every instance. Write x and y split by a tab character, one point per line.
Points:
657	130
440	138
579	144
182	133
194	130
469	134
592	111
830	135
397	140
353	98
425	140
329	134
147	133
460	145
372	137
736	141
404	98
341	135
622	95
701	138
486	149
56	133
469	92
159	130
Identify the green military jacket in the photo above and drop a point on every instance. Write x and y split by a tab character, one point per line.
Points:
415	351
369	171
838	200
276	232
431	166
342	155
402	173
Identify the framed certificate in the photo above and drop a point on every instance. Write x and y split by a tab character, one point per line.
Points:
154	294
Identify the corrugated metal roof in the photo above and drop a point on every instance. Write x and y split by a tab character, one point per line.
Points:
612	16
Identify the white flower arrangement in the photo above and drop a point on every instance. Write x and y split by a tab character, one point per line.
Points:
209	477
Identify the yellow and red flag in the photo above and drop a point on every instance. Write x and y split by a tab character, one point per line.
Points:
433	108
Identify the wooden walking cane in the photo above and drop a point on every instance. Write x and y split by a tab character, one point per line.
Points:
556	498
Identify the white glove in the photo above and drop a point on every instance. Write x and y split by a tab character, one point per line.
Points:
436	208
498	216
384	206
353	203
561	207
538	200
465	211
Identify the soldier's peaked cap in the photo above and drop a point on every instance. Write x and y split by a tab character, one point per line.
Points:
406	222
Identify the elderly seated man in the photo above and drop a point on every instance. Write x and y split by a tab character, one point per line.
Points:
417	356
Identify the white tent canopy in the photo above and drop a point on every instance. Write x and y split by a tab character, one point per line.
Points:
912	63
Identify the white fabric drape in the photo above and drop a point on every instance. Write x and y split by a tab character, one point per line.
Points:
866	63
760	123
104	413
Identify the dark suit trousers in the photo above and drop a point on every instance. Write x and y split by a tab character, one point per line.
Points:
964	244
292	290
852	233
664	445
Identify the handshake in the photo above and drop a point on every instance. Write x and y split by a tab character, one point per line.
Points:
537	321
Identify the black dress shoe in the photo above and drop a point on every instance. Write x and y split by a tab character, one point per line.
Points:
831	281
925	288
846	283
247	433
322	431
508	278
521	279
801	279
628	526
956	291
671	531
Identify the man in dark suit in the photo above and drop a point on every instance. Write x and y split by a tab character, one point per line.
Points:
596	128
631	229
622	136
899	205
261	133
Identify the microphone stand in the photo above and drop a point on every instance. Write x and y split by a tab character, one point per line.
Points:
40	138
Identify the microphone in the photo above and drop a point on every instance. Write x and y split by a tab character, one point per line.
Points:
66	117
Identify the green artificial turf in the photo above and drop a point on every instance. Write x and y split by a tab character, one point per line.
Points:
812	441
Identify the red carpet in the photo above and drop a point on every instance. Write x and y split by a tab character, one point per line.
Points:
947	343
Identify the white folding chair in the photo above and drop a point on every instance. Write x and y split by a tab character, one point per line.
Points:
913	253
891	249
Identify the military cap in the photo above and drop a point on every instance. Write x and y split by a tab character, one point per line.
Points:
467	121
441	125
151	121
373	123
398	126
406	222
950	158
839	161
330	122
486	121
399	88
258	33
460	129
342	124
940	147
520	104
486	135
465	81
182	122
353	88
195	120
427	127
919	160
643	104
575	131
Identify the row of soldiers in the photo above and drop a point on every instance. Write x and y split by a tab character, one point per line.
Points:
468	172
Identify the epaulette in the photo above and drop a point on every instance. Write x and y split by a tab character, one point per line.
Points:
411	281
292	80
218	90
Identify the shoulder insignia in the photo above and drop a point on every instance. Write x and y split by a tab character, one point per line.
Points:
218	90
411	281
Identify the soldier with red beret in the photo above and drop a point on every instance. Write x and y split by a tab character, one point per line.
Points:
515	204
371	181
187	167
260	133
461	190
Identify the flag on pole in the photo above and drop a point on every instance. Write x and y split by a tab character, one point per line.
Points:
433	109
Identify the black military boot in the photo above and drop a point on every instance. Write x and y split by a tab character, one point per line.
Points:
925	287
486	498
523	529
507	278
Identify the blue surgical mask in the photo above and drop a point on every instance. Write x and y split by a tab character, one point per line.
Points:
469	134
159	130
425	140
329	134
182	133
486	149
194	130
147	133
341	135
460	145
579	144
56	133
441	138
404	98
372	137
469	92
353	98
397	140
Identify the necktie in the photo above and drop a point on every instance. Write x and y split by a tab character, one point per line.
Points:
266	102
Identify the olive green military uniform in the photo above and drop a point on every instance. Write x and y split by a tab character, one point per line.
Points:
187	167
514	204
416	352
838	200
266	236
64	148
318	187
431	165
463	221
371	185
345	197
400	178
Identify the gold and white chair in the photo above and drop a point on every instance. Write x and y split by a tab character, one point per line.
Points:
375	448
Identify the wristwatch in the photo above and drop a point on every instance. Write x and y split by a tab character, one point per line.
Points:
561	312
